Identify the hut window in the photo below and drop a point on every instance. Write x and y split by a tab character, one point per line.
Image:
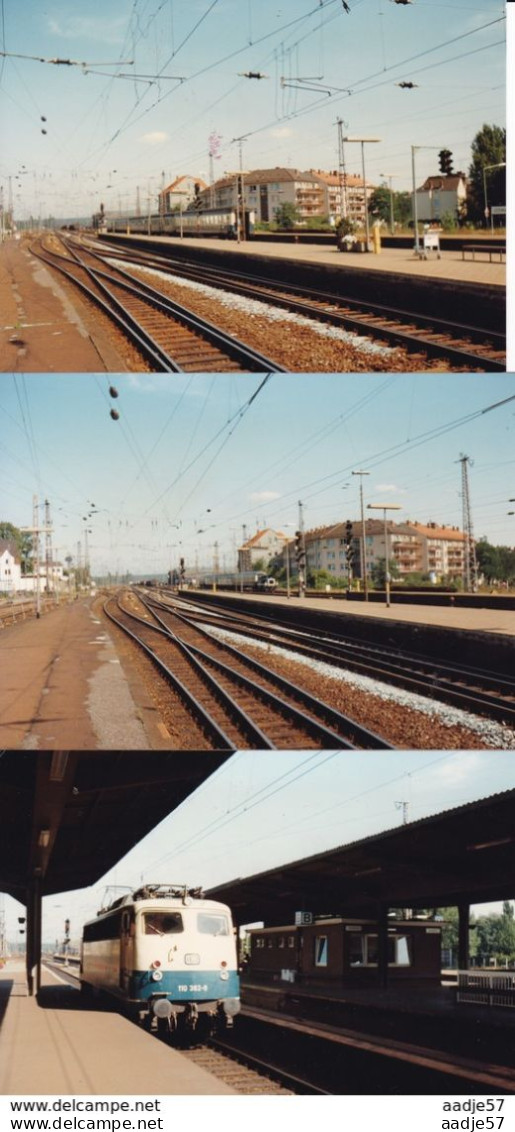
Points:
321	950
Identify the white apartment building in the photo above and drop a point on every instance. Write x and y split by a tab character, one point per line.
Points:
416	547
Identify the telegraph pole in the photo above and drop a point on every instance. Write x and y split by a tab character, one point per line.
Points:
35	530
470	563
404	806
364	564
300	552
48	546
341	169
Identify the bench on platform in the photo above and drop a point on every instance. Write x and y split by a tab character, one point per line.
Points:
487	249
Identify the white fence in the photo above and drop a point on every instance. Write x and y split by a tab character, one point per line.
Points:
487	988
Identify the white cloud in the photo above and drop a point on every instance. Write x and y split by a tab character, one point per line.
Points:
157	137
264	496
88	27
281	132
391	489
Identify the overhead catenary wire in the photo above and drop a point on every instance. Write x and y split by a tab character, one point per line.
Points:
276	786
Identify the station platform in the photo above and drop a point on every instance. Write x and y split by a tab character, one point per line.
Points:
55	1045
399	261
62	686
41	328
490	621
478	1039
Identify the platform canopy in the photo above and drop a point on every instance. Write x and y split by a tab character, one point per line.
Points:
462	856
68	817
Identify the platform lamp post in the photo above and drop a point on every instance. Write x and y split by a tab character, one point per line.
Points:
500	165
363	142
384	507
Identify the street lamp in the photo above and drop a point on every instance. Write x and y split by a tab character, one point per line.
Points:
384	507
363	535
500	165
363	142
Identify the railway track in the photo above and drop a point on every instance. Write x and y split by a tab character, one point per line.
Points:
271	1053
171	338
480	692
245	1072
236	702
463	346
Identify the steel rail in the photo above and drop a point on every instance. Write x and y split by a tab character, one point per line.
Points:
238	716
266	289
306	723
226	343
247	359
213	731
298	1085
395	668
363	735
150	350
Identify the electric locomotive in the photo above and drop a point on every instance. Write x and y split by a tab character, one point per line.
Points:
169	956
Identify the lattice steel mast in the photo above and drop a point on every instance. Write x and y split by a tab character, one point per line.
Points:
470	563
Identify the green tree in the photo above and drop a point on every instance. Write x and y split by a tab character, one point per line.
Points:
286	215
506	940
496	563
378	574
22	542
488	149
379	205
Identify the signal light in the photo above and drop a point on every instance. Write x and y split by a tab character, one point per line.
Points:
445	162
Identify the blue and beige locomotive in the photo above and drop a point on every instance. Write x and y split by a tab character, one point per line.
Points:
169	956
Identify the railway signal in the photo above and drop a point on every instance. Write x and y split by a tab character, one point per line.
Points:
445	162
349	547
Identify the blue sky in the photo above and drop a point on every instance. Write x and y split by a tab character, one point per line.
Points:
190	462
259	811
106	135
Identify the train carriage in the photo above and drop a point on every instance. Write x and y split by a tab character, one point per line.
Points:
168	955
217	222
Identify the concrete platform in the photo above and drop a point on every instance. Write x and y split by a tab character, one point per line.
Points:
62	686
491	621
399	261
477	1040
41	329
57	1046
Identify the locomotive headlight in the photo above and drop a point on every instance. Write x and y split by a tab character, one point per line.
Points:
157	976
224	975
192	959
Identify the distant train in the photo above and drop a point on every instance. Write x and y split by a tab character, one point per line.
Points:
219	222
244	580
169	956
